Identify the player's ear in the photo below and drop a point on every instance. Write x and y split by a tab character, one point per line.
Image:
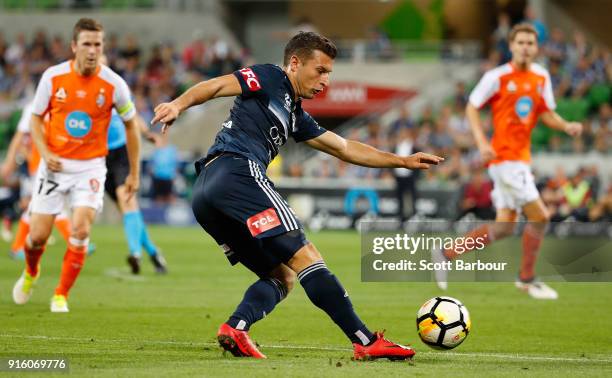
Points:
73	46
294	62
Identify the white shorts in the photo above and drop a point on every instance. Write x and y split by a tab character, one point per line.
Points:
80	181
513	185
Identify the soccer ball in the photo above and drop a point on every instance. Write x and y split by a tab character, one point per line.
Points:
443	322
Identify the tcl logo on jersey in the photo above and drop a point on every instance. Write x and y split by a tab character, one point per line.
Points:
251	79
262	222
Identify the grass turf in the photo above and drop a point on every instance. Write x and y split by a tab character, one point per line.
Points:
151	325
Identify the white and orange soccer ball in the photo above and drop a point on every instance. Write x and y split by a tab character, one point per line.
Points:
443	322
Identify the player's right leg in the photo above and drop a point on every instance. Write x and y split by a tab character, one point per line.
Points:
489	232
533	234
41	226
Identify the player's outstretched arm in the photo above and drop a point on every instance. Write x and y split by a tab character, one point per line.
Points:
10	161
222	86
553	120
132	129
365	155
484	147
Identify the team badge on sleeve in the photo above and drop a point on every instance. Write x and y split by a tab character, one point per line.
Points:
251	79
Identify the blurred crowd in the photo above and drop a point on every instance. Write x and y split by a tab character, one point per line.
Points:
154	75
581	75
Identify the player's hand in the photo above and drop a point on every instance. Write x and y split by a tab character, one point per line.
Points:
421	160
487	153
154	138
53	162
6	171
573	129
166	113
132	183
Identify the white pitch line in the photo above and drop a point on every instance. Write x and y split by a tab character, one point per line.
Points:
441	354
124	275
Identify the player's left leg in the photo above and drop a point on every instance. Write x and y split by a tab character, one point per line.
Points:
533	234
136	233
74	258
325	291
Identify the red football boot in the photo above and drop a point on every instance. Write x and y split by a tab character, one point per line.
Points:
382	348
237	342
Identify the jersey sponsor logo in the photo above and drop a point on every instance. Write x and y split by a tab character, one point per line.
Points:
523	106
251	79
78	124
61	95
276	136
81	93
262	222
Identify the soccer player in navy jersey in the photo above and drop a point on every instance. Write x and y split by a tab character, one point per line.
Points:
237	204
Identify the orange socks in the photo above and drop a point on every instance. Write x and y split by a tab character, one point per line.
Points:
483	236
532	239
74	260
63	226
20	236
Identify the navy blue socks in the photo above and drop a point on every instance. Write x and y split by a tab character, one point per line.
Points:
259	300
326	292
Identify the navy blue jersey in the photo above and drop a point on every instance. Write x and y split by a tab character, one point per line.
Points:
264	116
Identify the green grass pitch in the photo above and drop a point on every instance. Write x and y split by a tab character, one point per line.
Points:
151	325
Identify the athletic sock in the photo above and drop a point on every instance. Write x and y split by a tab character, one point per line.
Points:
74	259
21	234
133	231
482	234
326	292
145	241
32	257
63	226
532	239
259	300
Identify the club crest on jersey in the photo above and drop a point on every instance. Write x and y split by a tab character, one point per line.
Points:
263	221
251	79
288	102
101	99
511	87
61	95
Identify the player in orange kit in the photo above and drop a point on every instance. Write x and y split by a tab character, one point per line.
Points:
78	96
518	92
22	139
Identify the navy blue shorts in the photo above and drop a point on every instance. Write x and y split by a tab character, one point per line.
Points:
235	202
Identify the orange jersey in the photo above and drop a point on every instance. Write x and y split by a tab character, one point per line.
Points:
517	98
79	109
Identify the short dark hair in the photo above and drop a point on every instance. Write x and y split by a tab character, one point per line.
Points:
523	27
304	43
85	24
